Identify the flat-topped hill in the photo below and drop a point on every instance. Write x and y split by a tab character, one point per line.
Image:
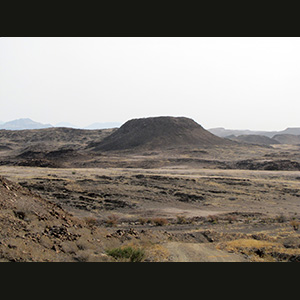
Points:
159	133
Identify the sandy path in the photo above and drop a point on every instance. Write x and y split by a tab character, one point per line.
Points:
198	252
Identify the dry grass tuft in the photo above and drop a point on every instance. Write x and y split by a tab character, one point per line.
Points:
295	224
259	250
160	221
112	220
90	221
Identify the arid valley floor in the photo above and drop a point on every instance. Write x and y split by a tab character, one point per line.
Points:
70	198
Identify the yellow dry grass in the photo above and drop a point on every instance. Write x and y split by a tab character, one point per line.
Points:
157	252
249	246
249	243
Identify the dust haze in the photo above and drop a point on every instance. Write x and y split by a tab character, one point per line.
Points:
235	83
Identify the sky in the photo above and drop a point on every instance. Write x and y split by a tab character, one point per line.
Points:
235	83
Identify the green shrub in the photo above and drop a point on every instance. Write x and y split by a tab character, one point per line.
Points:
127	254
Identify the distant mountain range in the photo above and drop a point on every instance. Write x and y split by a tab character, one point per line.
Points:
222	132
26	123
21	124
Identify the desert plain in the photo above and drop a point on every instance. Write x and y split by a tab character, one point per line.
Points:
154	190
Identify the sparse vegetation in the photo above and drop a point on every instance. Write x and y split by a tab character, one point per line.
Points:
281	218
142	221
90	221
181	219
160	221
295	224
213	219
205	205
112	220
232	219
127	254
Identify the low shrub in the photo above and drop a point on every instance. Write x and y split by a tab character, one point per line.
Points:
90	221
112	220
281	218
142	221
232	219
181	220
127	254
295	224
212	219
160	221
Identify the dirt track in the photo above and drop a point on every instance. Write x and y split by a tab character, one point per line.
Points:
195	252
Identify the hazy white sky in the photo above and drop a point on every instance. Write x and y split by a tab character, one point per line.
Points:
239	83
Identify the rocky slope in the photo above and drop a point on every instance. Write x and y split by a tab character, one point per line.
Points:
33	229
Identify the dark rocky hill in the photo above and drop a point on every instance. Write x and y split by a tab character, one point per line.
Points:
287	139
254	139
49	147
50	138
159	133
